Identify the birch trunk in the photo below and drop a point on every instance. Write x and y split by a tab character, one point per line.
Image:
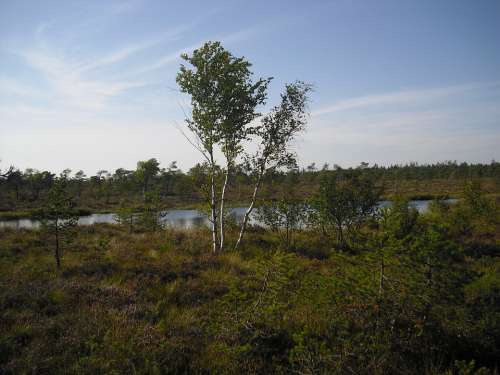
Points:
222	200
58	257
213	208
250	209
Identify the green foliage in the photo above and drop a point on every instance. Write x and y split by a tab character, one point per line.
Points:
126	217
59	218
223	96
412	299
398	220
223	103
284	216
279	127
23	191
145	172
150	218
344	204
250	326
475	200
276	131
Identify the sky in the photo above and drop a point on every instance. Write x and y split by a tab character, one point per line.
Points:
91	84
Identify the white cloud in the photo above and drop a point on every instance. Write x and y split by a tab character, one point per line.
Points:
131	49
165	60
125	6
463	127
69	85
175	56
11	87
400	97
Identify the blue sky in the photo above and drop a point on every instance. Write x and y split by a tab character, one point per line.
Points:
91	84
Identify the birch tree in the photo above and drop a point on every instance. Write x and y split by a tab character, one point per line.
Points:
276	131
224	99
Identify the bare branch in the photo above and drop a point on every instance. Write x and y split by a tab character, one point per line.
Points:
195	145
7	173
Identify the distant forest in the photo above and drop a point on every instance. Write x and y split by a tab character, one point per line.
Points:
106	190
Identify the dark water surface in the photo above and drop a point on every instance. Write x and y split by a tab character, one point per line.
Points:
174	218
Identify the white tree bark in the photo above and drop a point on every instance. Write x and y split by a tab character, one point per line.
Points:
221	213
249	209
212	206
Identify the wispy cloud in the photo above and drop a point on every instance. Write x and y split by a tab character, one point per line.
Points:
400	97
165	60
69	85
13	88
41	30
170	58
241	35
131	49
457	122
125	6
70	80
68	77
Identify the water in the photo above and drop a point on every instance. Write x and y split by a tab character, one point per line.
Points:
420	205
174	218
184	219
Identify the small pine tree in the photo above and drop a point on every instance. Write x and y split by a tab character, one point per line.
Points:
150	218
126	217
59	217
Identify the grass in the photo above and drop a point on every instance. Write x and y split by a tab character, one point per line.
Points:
161	303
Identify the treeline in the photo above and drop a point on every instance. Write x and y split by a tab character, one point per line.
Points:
104	189
25	189
447	170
